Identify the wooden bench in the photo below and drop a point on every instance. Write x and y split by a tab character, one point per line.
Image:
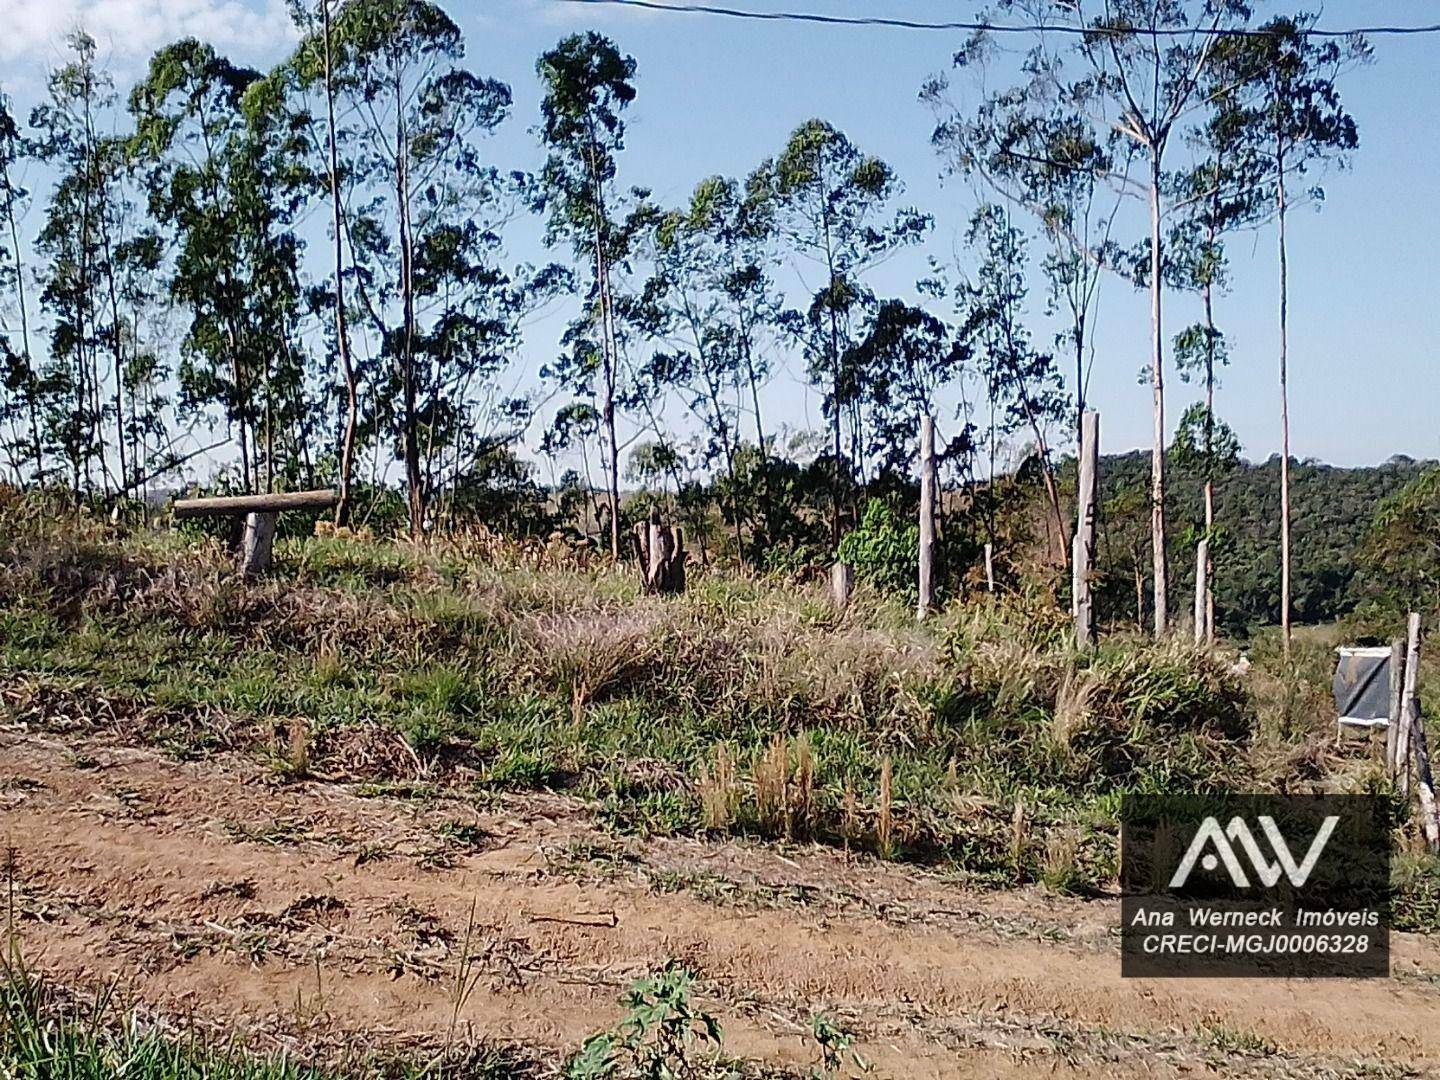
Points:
261	513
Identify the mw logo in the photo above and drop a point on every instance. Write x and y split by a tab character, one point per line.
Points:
1238	832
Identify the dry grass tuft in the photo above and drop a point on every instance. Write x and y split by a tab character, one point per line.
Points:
884	812
771	776
783	775
1060	865
719	791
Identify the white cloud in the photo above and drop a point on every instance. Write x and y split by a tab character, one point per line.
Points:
128	31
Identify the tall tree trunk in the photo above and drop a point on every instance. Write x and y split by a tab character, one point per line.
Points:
834	379
609	344
607	403
1159	556
32	404
343	507
117	345
1284	407
754	383
1209	600
410	435
838	448
1209	296
1052	490
1079	331
728	450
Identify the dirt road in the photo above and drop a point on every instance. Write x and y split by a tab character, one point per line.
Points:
209	889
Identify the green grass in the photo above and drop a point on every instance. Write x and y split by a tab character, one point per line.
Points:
45	1035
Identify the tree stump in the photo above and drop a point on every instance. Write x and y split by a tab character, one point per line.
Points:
841	578
258	544
662	556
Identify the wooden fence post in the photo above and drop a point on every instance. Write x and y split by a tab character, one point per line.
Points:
1425	785
1083	552
1397	680
1408	705
989	566
1411	741
1202	571
927	515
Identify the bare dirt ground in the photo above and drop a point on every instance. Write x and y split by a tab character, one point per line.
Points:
210	890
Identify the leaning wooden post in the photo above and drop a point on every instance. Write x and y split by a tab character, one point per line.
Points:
1414	742
1202	572
1408	705
927	515
1425	784
840	578
1397	681
1083	553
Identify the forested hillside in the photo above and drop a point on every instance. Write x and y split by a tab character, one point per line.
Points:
1332	509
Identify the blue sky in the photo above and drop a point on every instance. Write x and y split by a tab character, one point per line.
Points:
717	96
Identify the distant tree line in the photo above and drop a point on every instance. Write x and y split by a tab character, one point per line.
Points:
163	297
1339	532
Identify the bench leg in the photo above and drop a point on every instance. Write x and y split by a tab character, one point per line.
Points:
258	544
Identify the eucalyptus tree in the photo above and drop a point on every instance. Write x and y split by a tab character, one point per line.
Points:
575	426
831	204
20	406
695	356
1135	68
1282	103
1023	384
588	84
1034	149
425	232
314	63
211	136
710	306
739	253
1218	198
81	398
470	308
902	365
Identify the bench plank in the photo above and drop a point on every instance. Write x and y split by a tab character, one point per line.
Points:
321	499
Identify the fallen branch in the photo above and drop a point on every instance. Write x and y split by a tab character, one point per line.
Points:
607	919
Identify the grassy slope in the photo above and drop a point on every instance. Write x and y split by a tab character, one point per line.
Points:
743	705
